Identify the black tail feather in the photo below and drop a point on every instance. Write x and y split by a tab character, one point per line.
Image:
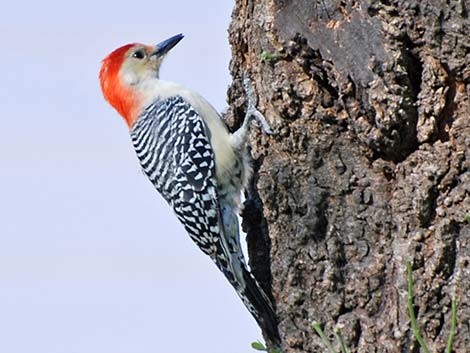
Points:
264	311
253	296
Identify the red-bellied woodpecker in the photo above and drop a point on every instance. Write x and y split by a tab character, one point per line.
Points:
190	157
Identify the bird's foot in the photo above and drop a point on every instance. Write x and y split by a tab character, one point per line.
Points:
251	110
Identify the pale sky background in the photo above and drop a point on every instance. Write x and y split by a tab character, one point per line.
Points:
91	258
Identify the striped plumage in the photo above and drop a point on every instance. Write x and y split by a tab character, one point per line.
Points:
195	164
177	157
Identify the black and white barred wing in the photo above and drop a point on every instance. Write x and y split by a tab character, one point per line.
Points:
174	150
195	198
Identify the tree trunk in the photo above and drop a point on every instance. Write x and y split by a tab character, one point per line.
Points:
368	167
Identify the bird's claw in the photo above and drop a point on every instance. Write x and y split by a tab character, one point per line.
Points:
260	120
251	110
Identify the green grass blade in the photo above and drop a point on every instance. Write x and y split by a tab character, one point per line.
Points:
339	338
453	326
325	339
414	323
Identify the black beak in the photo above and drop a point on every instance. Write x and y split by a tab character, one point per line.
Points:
164	47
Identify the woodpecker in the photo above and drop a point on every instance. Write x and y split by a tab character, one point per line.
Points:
190	157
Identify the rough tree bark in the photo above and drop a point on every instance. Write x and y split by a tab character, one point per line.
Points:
368	166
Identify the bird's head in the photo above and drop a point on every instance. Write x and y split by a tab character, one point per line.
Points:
125	72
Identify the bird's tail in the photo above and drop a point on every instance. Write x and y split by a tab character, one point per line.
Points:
233	266
263	309
255	300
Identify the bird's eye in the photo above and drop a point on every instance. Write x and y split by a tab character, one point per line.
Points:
139	54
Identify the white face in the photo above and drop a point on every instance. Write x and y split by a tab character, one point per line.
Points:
139	65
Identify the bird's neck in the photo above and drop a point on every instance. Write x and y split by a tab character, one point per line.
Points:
129	108
155	88
125	100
